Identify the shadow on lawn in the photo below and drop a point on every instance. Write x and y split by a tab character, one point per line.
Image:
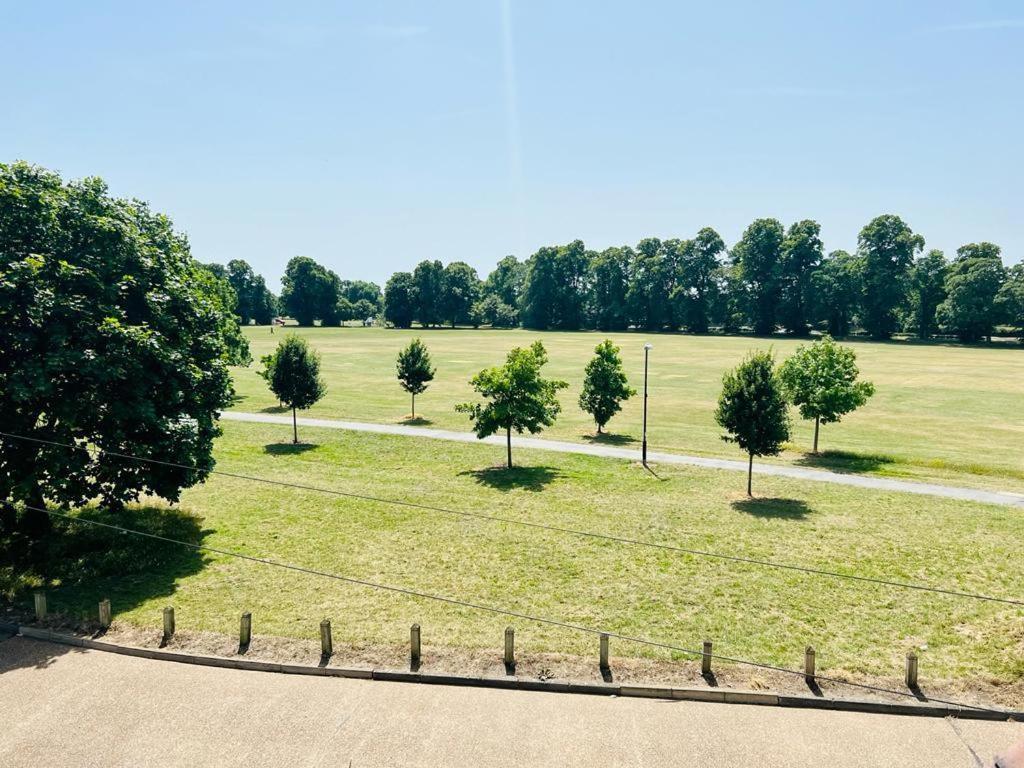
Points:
419	421
523	478
85	563
845	461
606	438
288	449
275	409
783	509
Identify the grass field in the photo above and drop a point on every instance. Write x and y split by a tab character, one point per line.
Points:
941	413
751	612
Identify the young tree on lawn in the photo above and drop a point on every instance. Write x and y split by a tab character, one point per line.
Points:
752	409
516	396
604	384
294	376
821	379
414	369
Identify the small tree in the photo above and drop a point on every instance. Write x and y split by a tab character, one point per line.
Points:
414	370
822	380
518	397
604	384
293	373
753	410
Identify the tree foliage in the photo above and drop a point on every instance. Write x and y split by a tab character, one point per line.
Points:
821	380
460	289
112	337
293	374
752	409
516	396
309	292
837	288
414	369
758	255
973	281
800	258
604	384
255	301
928	289
887	246
400	300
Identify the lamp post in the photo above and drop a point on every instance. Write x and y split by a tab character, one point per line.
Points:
647	351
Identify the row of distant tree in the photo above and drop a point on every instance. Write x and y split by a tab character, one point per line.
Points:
774	279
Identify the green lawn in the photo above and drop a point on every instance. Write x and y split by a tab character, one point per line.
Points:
751	612
942	412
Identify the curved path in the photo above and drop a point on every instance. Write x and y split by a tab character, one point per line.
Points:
1004	498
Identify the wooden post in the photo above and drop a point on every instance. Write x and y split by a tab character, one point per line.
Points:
414	644
245	630
510	647
705	659
911	670
809	664
105	613
168	623
604	651
40	598
326	644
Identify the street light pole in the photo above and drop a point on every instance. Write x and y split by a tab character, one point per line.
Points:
647	350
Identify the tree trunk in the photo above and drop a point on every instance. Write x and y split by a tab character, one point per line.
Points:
414	405
817	421
295	428
508	443
750	474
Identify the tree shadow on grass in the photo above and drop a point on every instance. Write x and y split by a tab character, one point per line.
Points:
289	449
87	562
846	461
276	409
782	509
517	478
606	438
419	421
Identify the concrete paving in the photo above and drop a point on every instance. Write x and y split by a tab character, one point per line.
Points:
1005	498
63	706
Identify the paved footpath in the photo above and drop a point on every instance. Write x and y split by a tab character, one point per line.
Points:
1005	498
63	706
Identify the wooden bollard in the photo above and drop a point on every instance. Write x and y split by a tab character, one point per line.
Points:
510	647
414	643
168	623
105	613
245	630
326	643
705	659
604	651
809	664
40	600
911	670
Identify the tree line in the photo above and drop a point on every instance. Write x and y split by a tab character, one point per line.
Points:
774	279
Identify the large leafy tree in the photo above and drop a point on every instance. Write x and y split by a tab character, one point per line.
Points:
604	384
293	374
255	301
837	287
460	289
758	254
400	300
698	289
821	380
428	278
753	410
801	258
887	246
355	291
650	285
506	282
554	294
415	370
1010	298
927	290
973	281
309	292
609	281
516	396
111	338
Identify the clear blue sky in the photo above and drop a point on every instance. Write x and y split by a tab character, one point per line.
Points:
372	135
